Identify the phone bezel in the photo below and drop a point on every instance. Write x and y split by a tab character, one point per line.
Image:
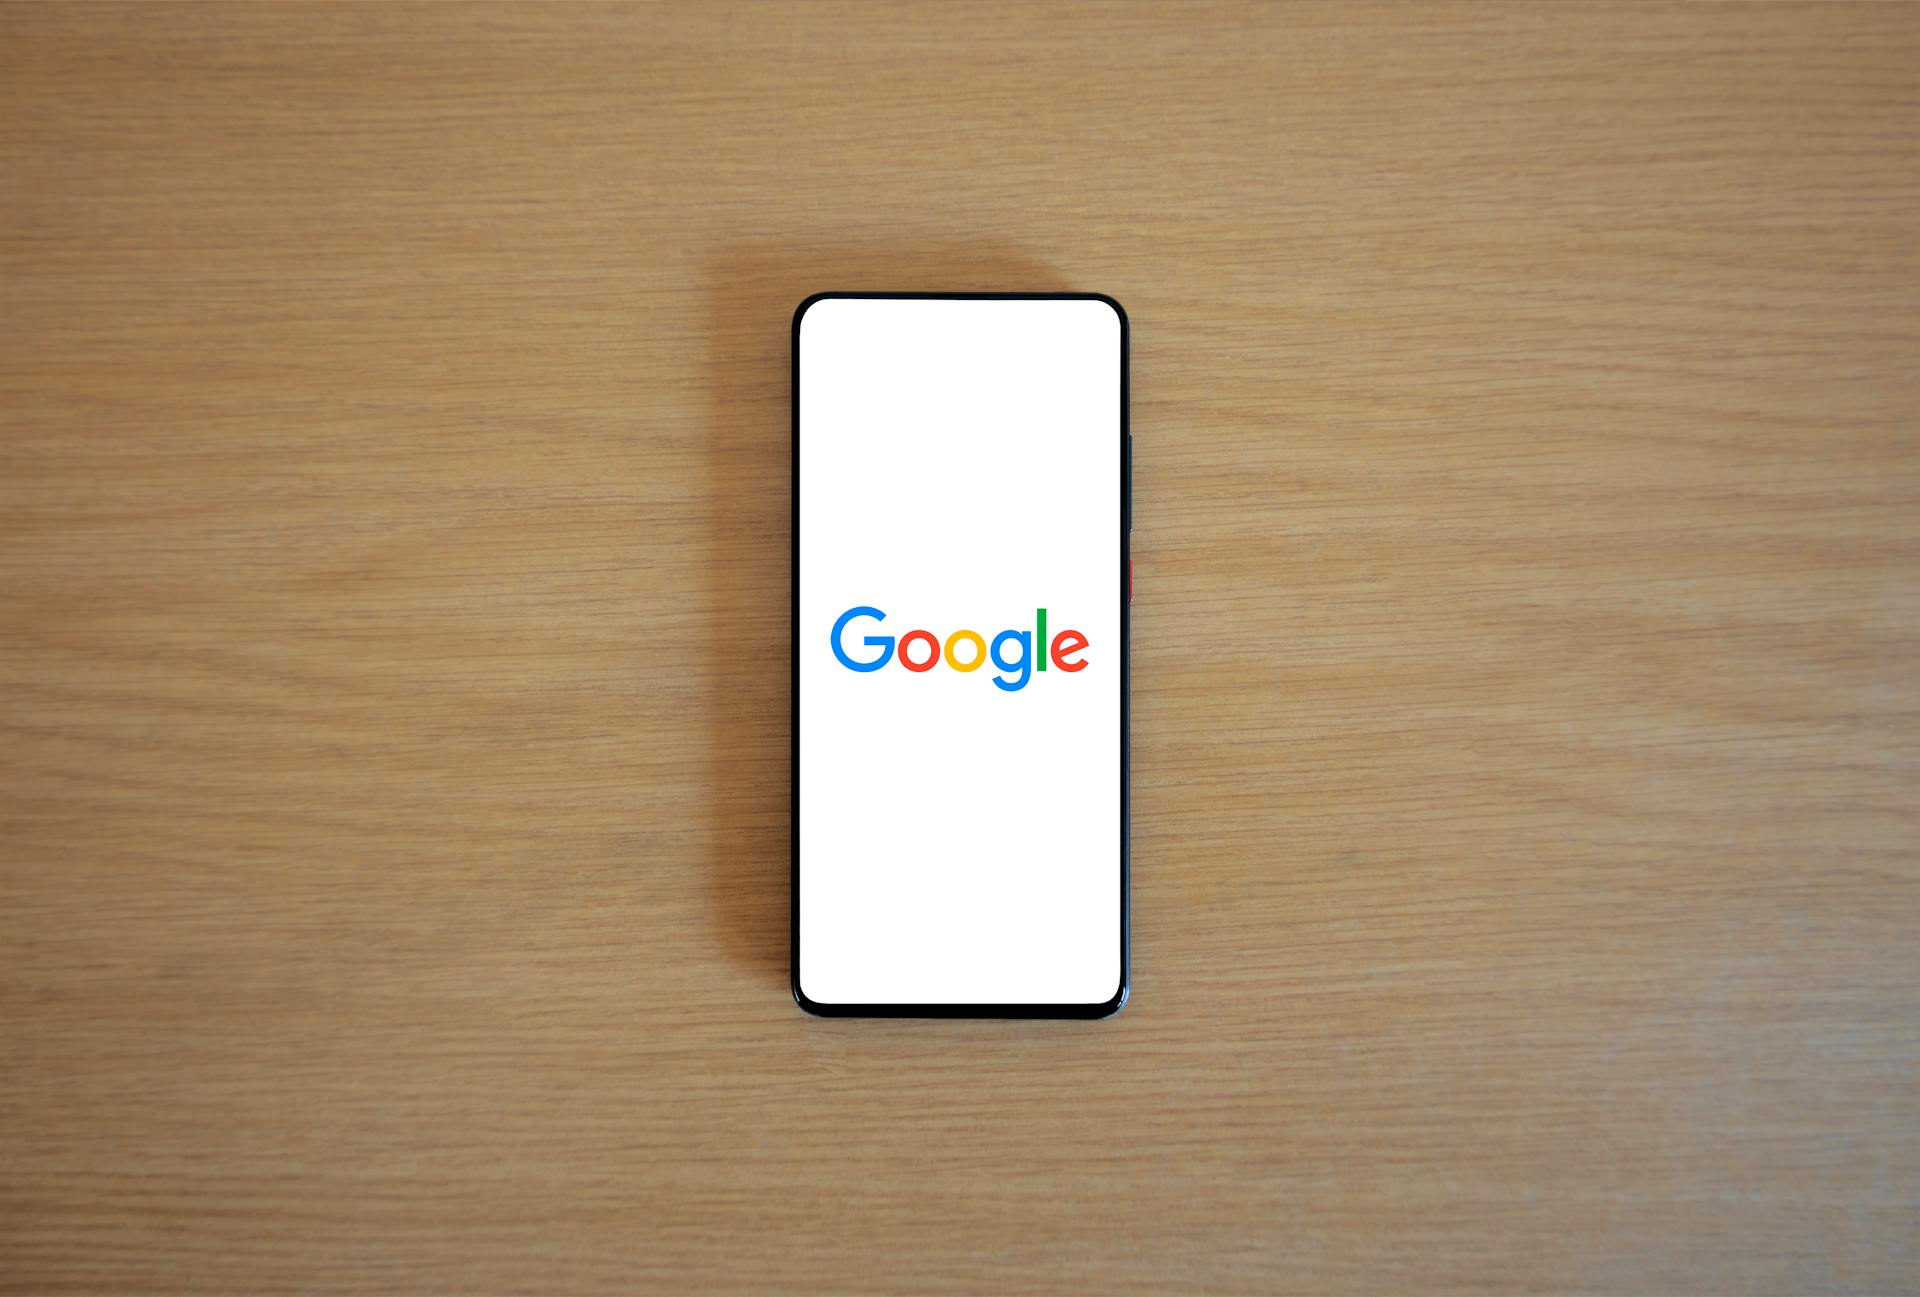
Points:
1102	1009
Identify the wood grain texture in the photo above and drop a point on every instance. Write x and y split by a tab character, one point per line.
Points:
393	634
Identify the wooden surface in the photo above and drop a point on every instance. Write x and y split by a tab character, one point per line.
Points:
393	648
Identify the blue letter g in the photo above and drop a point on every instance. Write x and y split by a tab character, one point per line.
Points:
882	642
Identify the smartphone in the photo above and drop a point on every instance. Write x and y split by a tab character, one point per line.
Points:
962	480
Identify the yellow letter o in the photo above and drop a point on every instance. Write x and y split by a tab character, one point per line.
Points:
979	650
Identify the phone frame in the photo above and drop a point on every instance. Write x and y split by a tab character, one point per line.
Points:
1103	1009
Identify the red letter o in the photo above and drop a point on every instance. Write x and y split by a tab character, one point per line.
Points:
933	650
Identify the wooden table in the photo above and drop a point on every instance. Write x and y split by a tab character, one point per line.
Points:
393	647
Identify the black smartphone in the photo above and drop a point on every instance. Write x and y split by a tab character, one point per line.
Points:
962	480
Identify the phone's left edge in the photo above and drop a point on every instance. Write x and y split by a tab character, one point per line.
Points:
800	996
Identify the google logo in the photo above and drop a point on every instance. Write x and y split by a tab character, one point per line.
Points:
1064	646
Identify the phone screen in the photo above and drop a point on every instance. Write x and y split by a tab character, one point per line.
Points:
961	470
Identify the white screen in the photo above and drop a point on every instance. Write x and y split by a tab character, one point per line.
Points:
959	469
